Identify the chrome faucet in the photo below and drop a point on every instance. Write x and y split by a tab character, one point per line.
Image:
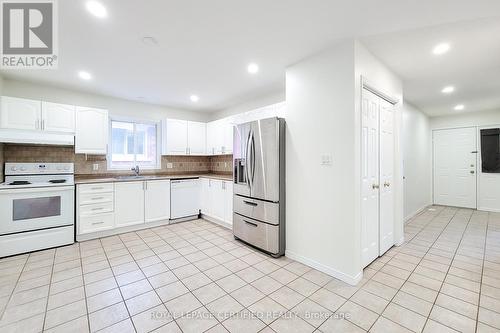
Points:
136	170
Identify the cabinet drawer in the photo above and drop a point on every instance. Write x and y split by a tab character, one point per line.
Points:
98	208
257	209
93	198
95	223
95	188
259	234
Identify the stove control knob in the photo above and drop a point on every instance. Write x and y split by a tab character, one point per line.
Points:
13	169
23	169
66	167
58	168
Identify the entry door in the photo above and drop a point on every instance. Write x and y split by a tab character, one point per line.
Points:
455	170
386	230
370	177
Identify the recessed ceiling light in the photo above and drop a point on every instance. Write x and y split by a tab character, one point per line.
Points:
97	9
448	90
459	107
148	40
253	68
84	75
441	48
194	98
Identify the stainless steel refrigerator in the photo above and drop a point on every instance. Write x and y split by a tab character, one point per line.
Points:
259	184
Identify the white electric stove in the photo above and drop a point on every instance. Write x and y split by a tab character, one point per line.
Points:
37	203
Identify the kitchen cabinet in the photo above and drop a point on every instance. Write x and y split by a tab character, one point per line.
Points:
184	137
197	138
95	207
20	113
220	137
217	199
91	133
129	203
157	200
58	117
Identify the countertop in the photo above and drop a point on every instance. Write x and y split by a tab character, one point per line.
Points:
92	179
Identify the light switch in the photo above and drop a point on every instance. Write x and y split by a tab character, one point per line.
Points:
95	166
326	159
170	165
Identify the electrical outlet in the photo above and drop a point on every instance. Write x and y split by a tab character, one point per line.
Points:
95	166
326	159
170	165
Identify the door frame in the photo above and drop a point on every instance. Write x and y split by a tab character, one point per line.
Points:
434	161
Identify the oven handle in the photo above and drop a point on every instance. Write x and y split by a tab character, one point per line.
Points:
53	189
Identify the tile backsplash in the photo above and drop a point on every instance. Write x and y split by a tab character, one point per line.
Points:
84	164
1	162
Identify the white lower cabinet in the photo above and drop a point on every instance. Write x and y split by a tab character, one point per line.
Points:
95	207
129	203
217	199
157	200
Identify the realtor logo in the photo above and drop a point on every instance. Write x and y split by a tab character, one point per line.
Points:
29	34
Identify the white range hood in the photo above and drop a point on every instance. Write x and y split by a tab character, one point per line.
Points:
29	137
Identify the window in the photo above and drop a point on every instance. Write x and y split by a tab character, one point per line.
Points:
133	143
490	150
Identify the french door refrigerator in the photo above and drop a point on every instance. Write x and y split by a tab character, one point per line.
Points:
259	184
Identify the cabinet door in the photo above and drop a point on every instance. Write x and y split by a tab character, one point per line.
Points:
177	137
91	133
217	191
197	138
58	117
206	197
227	147
20	113
129	203
157	200
219	137
228	202
211	130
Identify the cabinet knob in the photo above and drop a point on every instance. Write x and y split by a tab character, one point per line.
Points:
375	186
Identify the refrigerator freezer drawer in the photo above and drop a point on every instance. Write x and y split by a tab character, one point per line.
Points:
258	234
257	209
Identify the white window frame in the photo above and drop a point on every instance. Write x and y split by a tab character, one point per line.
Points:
134	121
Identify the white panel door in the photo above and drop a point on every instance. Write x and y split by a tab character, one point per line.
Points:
20	113
177	137
157	200
197	138
228	202
91	132
455	163
58	117
370	177
129	203
387	146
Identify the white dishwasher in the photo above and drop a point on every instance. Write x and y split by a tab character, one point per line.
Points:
185	197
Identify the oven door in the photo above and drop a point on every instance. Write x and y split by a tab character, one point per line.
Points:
30	209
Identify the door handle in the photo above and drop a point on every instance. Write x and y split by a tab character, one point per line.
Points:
250	223
472	172
375	186
250	203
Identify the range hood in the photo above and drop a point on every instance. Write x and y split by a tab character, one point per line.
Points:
39	138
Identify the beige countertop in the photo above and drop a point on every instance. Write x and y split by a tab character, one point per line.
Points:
92	179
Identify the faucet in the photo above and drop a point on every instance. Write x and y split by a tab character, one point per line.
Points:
136	170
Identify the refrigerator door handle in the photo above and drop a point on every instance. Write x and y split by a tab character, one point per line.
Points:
252	151
247	160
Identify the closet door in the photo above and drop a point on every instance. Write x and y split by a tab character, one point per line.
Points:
386	176
370	177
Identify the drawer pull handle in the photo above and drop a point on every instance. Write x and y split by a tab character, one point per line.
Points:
250	203
98	198
100	208
95	223
252	224
97	188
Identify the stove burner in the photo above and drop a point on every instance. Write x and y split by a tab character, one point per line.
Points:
20	182
57	181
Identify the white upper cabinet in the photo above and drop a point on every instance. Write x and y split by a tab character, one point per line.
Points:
20	113
176	135
58	117
91	134
197	138
227	147
220	137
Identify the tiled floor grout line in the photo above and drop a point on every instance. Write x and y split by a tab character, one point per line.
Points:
48	293
15	285
451	263
84	287
406	280
482	271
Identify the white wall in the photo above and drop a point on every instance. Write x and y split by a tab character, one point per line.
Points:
466	119
417	156
115	106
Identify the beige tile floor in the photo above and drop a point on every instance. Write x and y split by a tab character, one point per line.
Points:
194	277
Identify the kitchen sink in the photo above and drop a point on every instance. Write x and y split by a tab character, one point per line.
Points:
131	177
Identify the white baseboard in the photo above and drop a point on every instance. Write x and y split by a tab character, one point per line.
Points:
400	241
493	210
352	280
217	221
417	212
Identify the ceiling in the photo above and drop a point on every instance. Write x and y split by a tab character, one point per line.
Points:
204	46
472	65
